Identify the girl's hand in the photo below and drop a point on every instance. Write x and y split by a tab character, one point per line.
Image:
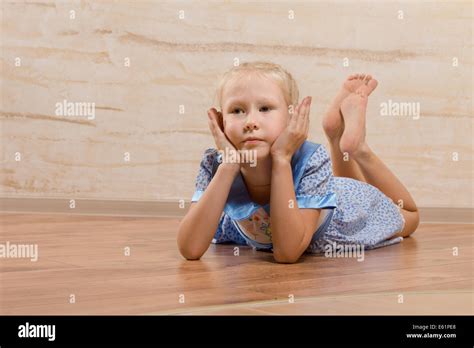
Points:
223	144
295	133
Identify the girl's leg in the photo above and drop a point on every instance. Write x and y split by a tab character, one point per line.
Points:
351	157
343	165
370	164
379	175
375	172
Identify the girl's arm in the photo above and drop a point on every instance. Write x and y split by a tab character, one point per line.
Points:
196	230
292	228
198	227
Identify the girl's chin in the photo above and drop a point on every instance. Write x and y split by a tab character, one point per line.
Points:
260	146
262	152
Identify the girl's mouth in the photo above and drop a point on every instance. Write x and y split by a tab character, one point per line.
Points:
250	142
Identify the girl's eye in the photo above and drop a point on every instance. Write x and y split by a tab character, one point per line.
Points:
233	112
264	108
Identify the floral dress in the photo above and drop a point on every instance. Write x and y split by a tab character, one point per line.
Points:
352	212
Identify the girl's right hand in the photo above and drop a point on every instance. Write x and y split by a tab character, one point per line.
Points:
223	144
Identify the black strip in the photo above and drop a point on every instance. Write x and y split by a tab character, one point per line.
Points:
241	330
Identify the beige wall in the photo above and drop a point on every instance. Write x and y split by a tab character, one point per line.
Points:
176	62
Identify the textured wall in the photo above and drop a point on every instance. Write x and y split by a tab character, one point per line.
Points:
79	51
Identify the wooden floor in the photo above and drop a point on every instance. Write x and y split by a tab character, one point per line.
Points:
84	256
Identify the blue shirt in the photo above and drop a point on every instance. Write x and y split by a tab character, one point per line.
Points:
246	222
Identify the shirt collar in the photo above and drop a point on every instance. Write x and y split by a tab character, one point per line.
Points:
239	204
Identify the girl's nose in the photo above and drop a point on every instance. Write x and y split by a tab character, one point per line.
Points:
250	122
250	125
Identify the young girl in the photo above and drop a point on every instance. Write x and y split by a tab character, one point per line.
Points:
313	200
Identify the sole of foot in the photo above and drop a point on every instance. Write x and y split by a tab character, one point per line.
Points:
333	121
353	110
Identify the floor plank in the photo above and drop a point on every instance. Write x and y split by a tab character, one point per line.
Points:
85	256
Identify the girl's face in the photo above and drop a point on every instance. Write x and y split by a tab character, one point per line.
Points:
254	106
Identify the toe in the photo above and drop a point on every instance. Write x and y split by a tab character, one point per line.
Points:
371	84
362	91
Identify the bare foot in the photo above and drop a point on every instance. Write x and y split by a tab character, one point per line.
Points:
333	123
353	109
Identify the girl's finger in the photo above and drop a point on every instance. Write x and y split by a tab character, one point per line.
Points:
306	125
302	115
221	121
298	109
304	107
296	113
209	115
216	116
306	114
215	124
211	127
215	134
306	118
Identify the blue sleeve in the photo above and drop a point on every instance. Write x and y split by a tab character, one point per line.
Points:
205	173
314	190
226	231
203	179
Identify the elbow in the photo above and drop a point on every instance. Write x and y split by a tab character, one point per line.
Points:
281	257
190	255
186	251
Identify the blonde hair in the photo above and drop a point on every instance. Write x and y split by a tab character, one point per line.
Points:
265	69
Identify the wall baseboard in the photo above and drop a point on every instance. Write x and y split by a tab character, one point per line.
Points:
161	208
171	208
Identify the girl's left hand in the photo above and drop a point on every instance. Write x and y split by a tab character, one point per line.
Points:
295	133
